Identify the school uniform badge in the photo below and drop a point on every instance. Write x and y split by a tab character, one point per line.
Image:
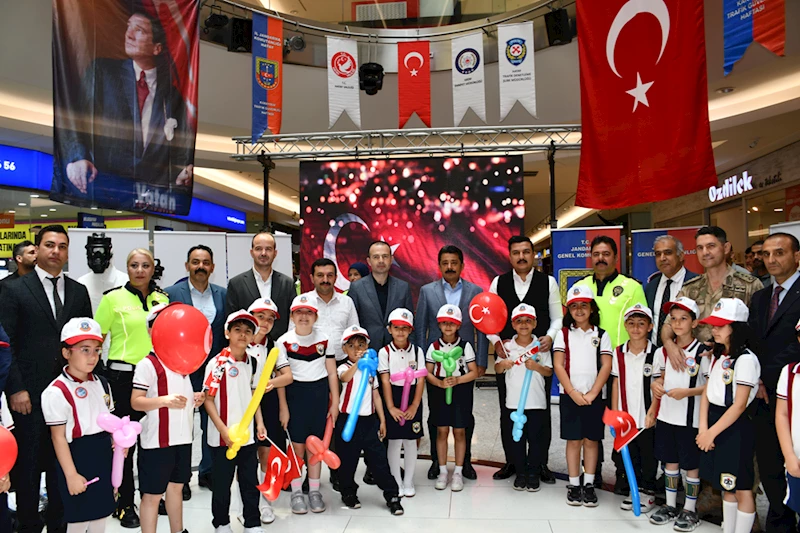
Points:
648	370
617	290
595	342
416	427
727	377
726	364
692	368
321	349
295	347
727	481
233	372
81	392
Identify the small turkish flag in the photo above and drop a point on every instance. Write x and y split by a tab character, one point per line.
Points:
277	465
414	81
294	469
624	427
644	102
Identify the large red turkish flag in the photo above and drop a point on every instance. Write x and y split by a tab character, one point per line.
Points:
414	81
644	102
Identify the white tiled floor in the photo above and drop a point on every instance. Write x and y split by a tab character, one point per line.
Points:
483	506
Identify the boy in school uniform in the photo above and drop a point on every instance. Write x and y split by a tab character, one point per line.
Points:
165	444
787	423
632	370
678	415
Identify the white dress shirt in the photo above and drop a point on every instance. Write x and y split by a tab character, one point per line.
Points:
203	301
333	318
48	286
521	287
674	289
147	109
264	286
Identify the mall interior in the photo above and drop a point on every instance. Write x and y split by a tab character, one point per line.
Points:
754	116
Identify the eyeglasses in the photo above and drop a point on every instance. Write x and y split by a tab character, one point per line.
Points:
87	351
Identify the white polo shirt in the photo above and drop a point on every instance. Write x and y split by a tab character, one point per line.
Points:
164	427
306	354
6	420
746	371
674	411
333	318
634	381
233	396
393	360
348	395
783	394
582	361
462	364
537	395
76	404
261	352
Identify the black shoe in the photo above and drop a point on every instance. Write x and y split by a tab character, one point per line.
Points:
335	484
546	475
162	508
204	480
520	482
351	501
305	485
187	492
468	472
127	517
433	471
621	487
533	483
574	495
368	478
506	472
394	506
589	496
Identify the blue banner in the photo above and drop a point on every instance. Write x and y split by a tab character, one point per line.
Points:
644	260
267	75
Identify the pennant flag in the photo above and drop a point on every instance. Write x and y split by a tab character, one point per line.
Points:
516	73
468	89
624	426
762	21
277	466
267	75
644	102
414	81
295	467
343	80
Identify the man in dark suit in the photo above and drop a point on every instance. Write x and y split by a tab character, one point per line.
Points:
667	283
774	312
262	281
25	258
377	295
128	137
35	308
209	298
450	289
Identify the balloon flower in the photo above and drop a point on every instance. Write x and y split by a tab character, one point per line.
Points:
8	451
518	416
408	376
623	429
488	312
123	433
318	449
239	433
182	338
448	361
368	365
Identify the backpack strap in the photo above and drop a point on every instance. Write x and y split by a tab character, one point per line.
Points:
621	366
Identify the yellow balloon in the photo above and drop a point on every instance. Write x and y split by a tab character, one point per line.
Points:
239	433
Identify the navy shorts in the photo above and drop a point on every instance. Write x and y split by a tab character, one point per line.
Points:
581	422
676	444
161	466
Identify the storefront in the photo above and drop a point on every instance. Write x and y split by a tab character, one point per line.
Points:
746	201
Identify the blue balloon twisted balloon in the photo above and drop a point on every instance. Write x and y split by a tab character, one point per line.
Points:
634	486
518	416
368	365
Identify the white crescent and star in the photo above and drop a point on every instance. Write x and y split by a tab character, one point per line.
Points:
627	12
413	55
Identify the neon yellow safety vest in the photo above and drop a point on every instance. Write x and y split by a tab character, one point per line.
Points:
618	295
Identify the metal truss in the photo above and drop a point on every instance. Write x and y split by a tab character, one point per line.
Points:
433	142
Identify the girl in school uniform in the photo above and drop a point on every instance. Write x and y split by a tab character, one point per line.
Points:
787	424
726	434
392	359
458	414
582	362
71	405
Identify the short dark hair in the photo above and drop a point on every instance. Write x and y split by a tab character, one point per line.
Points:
373	243
517	239
19	246
792	238
263	232
239	322
757	243
450	249
604	239
53	228
748	250
322	262
159	36
200	247
594	316
714	231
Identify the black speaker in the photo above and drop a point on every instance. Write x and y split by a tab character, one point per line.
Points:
241	36
558	30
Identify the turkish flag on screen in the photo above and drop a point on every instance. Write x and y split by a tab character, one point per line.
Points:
644	102
414	81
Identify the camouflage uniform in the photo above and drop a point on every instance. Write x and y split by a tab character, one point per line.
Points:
736	285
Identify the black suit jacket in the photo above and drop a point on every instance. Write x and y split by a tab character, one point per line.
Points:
35	334
652	286
243	291
778	338
368	307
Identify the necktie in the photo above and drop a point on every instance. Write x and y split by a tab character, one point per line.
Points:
662	316
773	303
56	298
142	91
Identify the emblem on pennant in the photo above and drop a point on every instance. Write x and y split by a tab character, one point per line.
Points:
267	77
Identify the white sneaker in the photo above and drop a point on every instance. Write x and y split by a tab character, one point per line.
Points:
457	483
409	491
441	481
223	529
257	529
267	515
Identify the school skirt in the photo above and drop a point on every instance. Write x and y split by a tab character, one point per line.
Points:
456	415
308	408
580	422
729	466
92	457
412	429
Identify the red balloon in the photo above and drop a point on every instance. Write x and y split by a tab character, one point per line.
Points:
489	313
8	451
181	338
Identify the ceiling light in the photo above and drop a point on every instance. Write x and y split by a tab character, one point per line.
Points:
118	212
217	21
11	211
726	90
755	208
52	209
93	208
778	210
34	196
43	215
22	204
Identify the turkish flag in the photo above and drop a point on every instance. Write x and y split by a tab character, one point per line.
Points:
644	102
414	81
294	469
624	427
277	465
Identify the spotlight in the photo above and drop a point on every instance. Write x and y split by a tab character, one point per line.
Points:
216	21
370	78
557	24
296	43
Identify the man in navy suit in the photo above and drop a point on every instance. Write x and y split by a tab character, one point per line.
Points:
667	283
450	289
198	292
126	143
774	312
